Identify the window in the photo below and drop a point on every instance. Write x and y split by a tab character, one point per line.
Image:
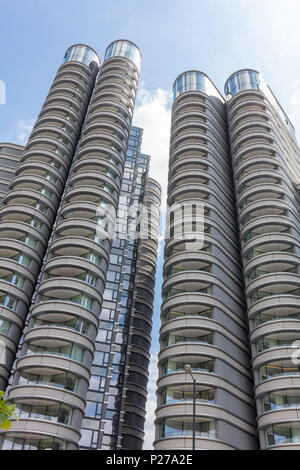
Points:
72	351
282	434
86	437
8	301
4	326
101	358
46	192
34	444
174	427
15	279
90	409
29	240
59	412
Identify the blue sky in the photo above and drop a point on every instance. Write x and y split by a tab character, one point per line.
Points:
214	36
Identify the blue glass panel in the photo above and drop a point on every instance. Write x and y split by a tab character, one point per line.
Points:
126	49
84	54
194	81
252	80
244	80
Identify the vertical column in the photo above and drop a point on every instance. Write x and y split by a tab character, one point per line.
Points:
29	207
52	374
203	315
266	161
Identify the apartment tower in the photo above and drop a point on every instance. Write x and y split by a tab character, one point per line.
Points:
30	205
239	280
203	312
266	164
57	220
77	272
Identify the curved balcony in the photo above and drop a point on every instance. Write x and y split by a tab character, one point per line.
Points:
275	261
75	318
91	163
95	178
176	432
56	110
51	336
194	299
259	177
266	225
273	285
108	139
37	434
43	364
255	122
264	207
251	150
208	410
257	163
283	436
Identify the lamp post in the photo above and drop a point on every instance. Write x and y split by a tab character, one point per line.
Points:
189	371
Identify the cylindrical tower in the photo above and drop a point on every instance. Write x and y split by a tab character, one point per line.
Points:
29	208
52	373
203	315
265	160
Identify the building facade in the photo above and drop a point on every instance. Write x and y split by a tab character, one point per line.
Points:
29	208
243	277
203	312
79	220
266	165
58	215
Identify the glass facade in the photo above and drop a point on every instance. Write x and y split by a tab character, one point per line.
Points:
194	81
244	80
125	49
282	399
172	427
253	80
287	433
101	426
12	443
180	393
61	240
84	54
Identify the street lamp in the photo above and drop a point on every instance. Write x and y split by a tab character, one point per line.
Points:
189	371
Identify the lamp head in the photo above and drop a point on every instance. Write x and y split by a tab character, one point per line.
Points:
188	368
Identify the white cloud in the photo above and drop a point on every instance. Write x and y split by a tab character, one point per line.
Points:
151	403
22	130
161	240
153	114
